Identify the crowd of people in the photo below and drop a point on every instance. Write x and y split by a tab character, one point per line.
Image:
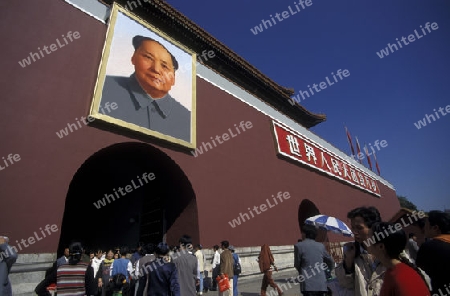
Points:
149	270
382	260
377	263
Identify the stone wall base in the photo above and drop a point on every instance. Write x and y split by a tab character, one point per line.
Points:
29	271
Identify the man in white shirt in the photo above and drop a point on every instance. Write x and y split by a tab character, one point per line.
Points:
201	265
96	261
215	267
411	247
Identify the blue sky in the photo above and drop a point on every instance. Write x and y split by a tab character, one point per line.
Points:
380	100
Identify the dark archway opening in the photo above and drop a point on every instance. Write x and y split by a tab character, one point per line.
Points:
112	200
308	209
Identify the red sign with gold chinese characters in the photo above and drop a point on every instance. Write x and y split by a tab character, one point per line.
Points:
299	148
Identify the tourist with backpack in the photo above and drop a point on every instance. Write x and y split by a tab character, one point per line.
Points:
122	265
118	286
236	269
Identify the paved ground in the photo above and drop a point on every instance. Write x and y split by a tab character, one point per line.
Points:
252	287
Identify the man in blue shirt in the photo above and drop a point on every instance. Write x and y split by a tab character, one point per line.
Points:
143	98
64	258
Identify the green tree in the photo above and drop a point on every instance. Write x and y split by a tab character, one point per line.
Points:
406	203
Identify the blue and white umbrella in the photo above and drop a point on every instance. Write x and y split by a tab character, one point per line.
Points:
330	223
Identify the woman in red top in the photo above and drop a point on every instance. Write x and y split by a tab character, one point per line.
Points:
402	278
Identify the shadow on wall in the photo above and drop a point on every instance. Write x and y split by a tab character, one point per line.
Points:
102	212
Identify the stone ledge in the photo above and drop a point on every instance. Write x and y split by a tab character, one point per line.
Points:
36	258
29	271
30	267
24	289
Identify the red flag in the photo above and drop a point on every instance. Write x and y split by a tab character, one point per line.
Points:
368	157
376	163
349	138
359	149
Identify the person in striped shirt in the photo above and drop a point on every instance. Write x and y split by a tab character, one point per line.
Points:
75	278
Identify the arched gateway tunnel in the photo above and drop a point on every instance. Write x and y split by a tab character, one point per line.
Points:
128	193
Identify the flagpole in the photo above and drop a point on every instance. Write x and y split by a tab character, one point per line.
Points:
368	157
358	147
349	139
376	163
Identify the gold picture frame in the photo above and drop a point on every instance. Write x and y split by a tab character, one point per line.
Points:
119	96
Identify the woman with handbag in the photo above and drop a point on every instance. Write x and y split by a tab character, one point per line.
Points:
266	266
